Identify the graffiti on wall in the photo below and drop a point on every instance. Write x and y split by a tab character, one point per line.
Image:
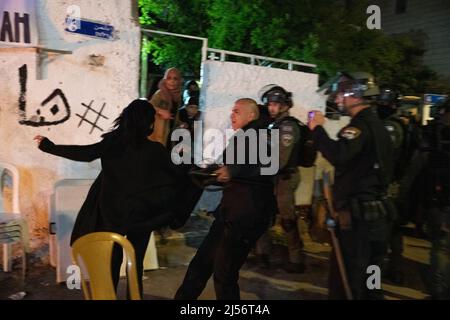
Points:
53	110
98	115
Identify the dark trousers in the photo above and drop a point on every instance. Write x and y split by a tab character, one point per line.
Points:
362	245
440	253
139	240
396	246
243	218
222	253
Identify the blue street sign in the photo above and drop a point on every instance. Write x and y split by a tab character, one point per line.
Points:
89	28
434	98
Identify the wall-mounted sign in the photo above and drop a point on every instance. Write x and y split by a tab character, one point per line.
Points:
18	25
434	99
90	28
431	103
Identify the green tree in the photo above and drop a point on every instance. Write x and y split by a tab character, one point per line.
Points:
176	16
331	34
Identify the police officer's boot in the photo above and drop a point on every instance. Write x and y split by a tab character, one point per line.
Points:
295	261
263	250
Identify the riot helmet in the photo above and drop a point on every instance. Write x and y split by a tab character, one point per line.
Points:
355	84
359	84
275	93
387	102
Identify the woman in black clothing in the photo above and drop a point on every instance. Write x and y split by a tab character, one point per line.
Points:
132	193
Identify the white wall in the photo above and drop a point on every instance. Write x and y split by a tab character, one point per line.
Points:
113	84
225	82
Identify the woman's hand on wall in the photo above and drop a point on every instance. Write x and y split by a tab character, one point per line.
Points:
39	139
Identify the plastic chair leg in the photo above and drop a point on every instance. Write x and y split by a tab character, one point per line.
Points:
7	262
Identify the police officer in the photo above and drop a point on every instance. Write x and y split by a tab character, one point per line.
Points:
437	192
406	140
362	157
278	101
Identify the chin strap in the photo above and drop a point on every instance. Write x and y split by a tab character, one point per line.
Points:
356	105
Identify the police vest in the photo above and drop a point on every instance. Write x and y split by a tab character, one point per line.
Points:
304	153
396	131
401	136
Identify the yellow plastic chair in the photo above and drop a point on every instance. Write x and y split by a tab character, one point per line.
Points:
94	252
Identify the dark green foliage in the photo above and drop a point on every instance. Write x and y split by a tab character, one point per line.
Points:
331	34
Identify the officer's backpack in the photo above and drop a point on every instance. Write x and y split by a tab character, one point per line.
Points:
405	140
395	130
305	152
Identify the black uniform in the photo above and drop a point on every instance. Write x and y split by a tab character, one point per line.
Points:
246	208
405	136
363	163
437	194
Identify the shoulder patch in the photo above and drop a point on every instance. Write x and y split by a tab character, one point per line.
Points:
287	139
350	133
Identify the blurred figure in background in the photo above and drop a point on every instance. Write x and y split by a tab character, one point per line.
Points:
188	114
437	195
167	101
191	91
405	138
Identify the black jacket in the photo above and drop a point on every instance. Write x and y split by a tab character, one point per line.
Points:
248	199
249	171
362	144
133	192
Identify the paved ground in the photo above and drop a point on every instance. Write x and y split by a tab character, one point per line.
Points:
176	250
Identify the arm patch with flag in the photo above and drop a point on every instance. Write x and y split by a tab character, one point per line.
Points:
350	133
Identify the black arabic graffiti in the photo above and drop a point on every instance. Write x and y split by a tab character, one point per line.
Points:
38	120
23	90
99	115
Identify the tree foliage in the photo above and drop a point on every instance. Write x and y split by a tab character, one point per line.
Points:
331	34
176	16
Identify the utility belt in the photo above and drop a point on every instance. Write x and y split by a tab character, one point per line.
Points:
372	208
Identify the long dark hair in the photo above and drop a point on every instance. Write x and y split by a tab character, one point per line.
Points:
135	123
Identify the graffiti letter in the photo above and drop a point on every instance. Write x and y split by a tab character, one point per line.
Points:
6	28
26	26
